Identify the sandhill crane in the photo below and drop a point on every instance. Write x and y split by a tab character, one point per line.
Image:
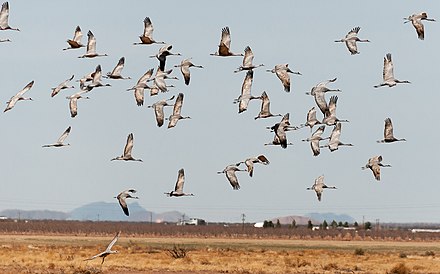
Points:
276	142
184	68
314	140
224	48
123	196
351	39
5	40
416	20
388	73
247	61
159	81
388	136
140	87
265	107
61	86
147	37
178	189
334	142
229	171
116	72
60	141
96	80
75	43
330	118
319	186
280	131
158	110
322	87
107	251
91	47
374	163
126	156
19	96
245	96
4	16
73	102
175	117
249	162
281	71
162	55
311	119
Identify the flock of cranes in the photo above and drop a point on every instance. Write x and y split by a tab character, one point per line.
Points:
156	83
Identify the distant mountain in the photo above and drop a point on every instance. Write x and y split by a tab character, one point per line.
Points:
34	214
96	211
330	217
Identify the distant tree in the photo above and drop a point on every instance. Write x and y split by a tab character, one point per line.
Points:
278	224
309	224
267	224
334	224
346	224
293	224
324	224
368	225
340	224
356	224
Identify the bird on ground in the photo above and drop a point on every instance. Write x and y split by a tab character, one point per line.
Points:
126	156
282	71
249	162
73	102
175	117
19	96
4	18
140	87
245	97
388	136
319	186
314	140
351	39
334	143
5	40
91	47
75	43
322	87
224	48
247	61
416	20
96	80
265	107
374	163
60	141
311	119
388	73
330	118
147	37
184	68
107	251
61	86
162	55
123	196
116	72
158	110
229	171
178	189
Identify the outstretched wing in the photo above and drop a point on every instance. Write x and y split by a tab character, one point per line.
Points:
180	181
128	145
64	135
109	247
178	104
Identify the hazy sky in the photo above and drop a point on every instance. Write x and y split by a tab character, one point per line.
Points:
300	33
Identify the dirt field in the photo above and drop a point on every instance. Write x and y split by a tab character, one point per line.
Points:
66	254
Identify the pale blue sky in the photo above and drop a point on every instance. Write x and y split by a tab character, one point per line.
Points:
300	33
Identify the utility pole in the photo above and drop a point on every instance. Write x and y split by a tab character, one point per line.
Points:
151	218
98	217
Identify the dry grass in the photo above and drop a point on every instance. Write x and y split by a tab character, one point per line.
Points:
65	254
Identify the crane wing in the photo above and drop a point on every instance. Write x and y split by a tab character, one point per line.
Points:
128	145
180	181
